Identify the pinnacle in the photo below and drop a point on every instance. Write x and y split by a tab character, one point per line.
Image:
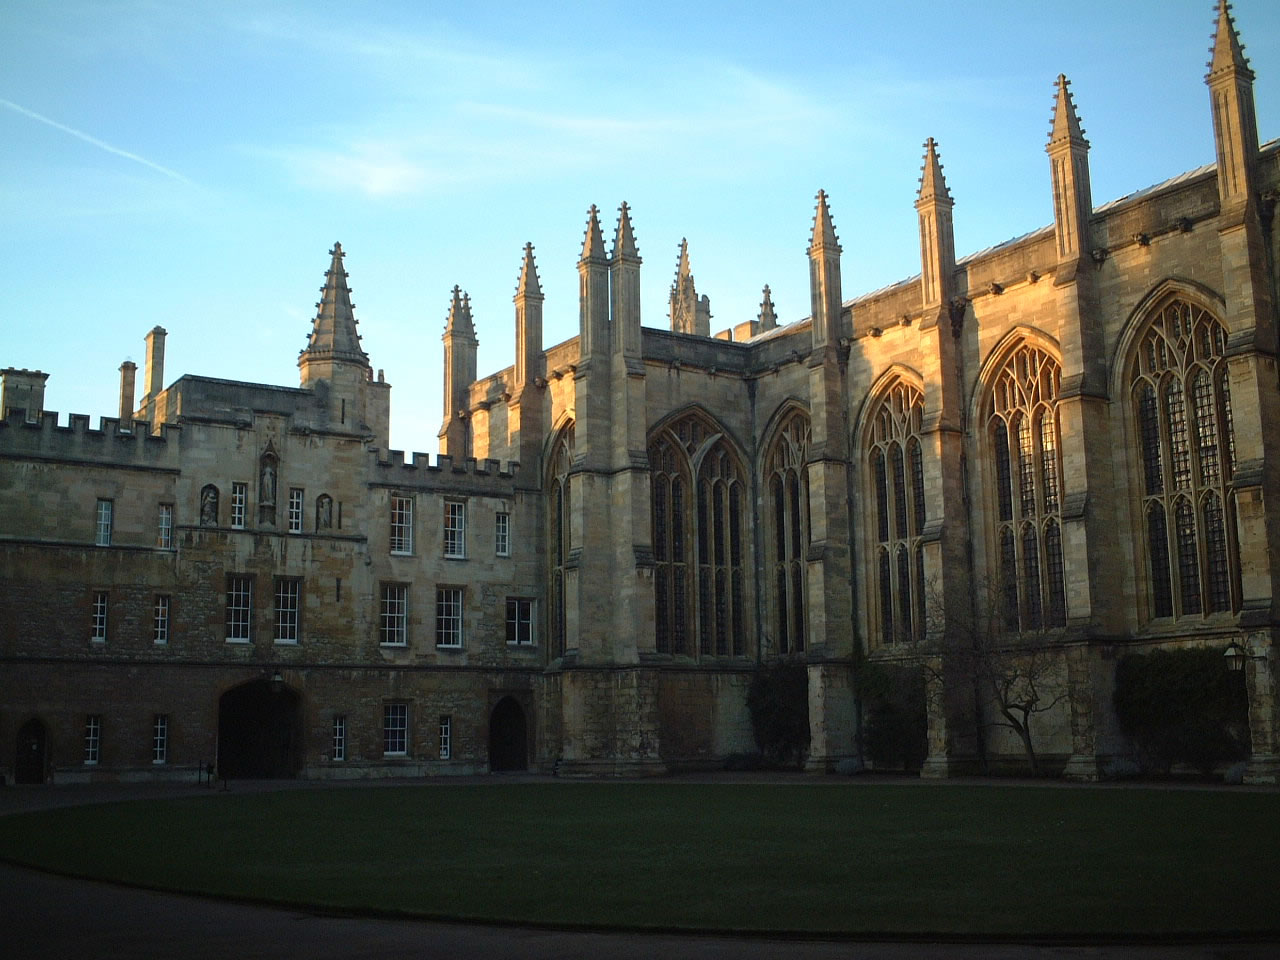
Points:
593	244
333	331
459	320
528	285
1226	51
767	317
1066	125
824	231
933	185
683	272
624	240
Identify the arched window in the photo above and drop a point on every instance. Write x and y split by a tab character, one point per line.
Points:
786	485
896	462
558	536
1181	402
1022	427
699	535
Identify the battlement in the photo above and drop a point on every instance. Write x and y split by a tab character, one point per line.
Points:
393	468
113	442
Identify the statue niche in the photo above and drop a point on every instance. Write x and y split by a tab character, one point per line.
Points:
209	506
267	487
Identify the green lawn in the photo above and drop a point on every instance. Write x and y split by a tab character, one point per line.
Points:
853	857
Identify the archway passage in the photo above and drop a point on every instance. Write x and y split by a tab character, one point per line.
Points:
29	764
508	733
258	732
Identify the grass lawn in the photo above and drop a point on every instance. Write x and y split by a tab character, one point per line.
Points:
855	858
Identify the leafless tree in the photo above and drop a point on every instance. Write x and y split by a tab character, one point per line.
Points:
1008	657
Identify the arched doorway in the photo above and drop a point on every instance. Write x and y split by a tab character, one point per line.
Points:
29	765
508	737
259	731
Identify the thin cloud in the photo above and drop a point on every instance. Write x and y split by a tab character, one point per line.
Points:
101	145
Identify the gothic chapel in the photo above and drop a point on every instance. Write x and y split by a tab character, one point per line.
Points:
619	529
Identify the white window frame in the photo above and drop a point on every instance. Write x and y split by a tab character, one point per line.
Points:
160	738
98	623
239	608
520	620
239	505
402	525
92	739
393	615
297	501
160	619
288	594
338	750
103	519
395	729
502	534
446	736
455	529
164	527
449	616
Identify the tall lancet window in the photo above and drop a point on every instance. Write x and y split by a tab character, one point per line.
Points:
786	490
558	537
1021	416
895	461
699	531
1181	404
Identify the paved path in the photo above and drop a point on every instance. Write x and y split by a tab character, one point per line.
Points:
48	916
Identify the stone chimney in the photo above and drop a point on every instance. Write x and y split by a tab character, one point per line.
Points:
22	390
128	374
155	363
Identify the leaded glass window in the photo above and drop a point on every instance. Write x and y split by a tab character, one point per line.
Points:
559	538
698	492
787	482
1181	400
897	476
1022	428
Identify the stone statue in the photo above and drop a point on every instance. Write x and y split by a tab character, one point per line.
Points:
267	485
324	512
209	506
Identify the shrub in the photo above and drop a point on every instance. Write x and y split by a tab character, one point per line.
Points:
778	700
1182	706
895	732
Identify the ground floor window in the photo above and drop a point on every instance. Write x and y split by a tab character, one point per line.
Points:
395	729
339	750
446	737
92	738
160	738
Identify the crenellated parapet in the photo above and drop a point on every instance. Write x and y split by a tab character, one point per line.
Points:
114	443
459	475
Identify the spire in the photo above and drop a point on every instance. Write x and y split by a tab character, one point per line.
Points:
933	185
683	272
624	240
1066	125
333	331
767	317
528	285
824	232
593	244
1226	52
458	323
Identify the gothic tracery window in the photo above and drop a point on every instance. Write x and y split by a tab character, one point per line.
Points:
1022	430
896	462
1181	400
559	536
786	485
699	498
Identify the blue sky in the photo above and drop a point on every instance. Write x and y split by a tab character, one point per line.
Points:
190	164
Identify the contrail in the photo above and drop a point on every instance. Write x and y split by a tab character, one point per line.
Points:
93	140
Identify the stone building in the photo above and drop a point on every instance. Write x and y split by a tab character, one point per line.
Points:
619	528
